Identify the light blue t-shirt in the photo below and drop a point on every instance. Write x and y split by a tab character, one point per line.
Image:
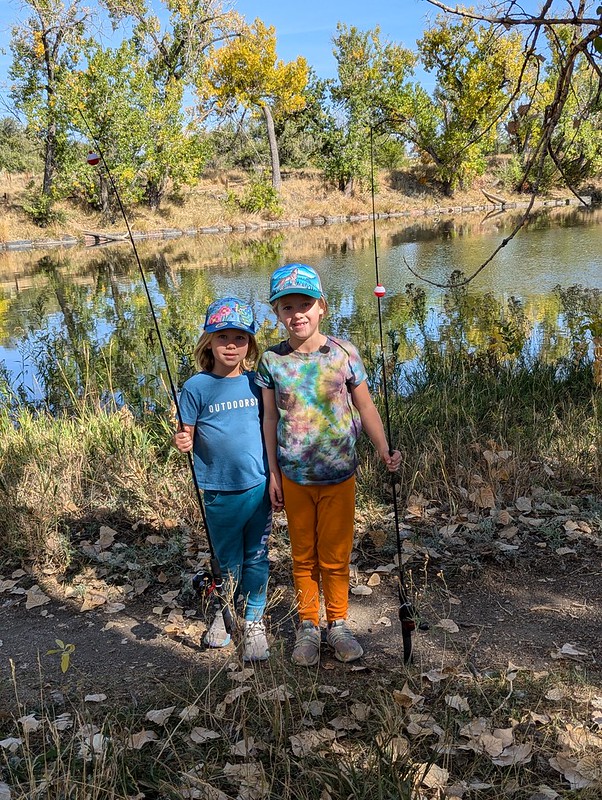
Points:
228	445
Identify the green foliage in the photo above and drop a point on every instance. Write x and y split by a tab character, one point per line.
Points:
18	153
246	72
41	208
454	129
65	651
260	196
372	76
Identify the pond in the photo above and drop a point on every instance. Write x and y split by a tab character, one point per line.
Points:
77	321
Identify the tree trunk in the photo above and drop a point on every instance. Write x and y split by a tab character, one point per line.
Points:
269	121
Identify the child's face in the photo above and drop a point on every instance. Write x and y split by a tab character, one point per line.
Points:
301	315
229	348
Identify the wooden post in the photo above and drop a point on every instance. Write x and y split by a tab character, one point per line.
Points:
598	361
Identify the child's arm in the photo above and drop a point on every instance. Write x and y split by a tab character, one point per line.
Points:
183	439
270	422
373	425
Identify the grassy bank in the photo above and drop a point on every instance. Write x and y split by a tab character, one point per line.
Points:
216	200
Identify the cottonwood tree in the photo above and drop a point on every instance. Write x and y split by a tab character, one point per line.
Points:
454	129
46	47
173	55
575	31
247	72
372	76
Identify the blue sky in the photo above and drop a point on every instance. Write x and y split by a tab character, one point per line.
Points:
303	27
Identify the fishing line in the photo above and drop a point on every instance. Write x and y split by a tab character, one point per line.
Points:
208	583
406	610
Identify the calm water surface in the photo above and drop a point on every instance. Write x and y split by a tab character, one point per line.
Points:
95	294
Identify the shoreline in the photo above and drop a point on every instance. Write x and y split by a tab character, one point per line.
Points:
96	238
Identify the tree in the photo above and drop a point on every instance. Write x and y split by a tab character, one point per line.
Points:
140	128
372	77
247	72
585	40
17	152
45	48
173	57
476	67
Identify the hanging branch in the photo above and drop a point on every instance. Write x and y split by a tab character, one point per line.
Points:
553	112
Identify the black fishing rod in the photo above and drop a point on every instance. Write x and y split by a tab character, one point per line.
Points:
407	615
209	583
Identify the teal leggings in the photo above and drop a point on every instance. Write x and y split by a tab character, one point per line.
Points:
240	524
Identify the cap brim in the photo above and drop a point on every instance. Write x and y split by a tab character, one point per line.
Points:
296	290
223	326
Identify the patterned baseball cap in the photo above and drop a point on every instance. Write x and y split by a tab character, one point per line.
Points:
229	312
295	279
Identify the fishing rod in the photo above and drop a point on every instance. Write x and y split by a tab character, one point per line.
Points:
209	583
407	615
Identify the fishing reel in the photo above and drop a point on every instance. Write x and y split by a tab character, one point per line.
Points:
204	584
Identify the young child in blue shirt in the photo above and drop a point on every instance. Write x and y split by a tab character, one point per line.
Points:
221	412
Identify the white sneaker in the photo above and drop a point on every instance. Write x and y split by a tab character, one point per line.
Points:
217	635
255	642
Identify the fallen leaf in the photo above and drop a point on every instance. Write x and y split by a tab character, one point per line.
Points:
523	503
202	735
406	698
313	707
571	772
106	537
30	723
303	743
483	497
138	740
35	597
11	744
243	748
457	702
385	621
447	625
279	693
92	600
95	698
432	776
568	651
396	747
361	711
4	791
374	579
515	754
344	723
189	713
361	590
159	715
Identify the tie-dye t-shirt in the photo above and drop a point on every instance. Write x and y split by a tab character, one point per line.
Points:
318	424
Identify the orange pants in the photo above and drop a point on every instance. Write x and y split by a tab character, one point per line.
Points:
320	525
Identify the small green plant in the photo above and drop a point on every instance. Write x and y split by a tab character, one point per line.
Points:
261	196
40	207
65	651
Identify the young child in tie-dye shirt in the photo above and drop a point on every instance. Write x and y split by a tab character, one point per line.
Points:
316	402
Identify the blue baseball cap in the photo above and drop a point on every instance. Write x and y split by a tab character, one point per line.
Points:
229	312
295	279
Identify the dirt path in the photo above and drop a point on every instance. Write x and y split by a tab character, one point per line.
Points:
536	607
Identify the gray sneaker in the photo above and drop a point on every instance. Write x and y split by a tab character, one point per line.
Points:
346	647
306	652
255	642
217	635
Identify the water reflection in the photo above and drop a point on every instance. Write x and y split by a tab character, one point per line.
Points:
77	322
